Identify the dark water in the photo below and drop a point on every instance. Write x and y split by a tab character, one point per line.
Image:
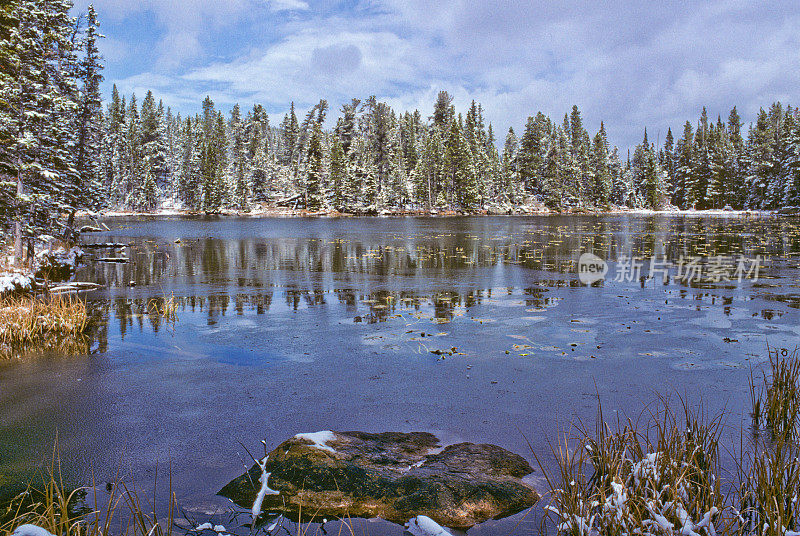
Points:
298	325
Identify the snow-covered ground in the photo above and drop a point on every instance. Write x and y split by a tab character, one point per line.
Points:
11	282
175	209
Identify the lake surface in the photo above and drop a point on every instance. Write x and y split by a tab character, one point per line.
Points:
476	329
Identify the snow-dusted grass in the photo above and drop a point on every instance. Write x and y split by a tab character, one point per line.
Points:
29	321
660	475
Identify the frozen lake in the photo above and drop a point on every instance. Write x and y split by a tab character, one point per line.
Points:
474	328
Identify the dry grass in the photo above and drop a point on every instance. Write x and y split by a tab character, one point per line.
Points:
62	511
769	470
634	477
660	475
33	321
166	307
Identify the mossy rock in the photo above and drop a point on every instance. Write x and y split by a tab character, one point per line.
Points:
392	475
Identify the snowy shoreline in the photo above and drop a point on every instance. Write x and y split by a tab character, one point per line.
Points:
276	212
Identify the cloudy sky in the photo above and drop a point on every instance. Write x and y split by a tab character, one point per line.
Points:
631	64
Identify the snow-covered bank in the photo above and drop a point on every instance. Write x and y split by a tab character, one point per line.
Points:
522	210
52	261
15	282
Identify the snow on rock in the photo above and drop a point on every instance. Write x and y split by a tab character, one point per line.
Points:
425	526
30	530
319	439
365	479
204	526
15	282
59	263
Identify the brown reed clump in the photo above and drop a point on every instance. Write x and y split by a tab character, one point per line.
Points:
30	321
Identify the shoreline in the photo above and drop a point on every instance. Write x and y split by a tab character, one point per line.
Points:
282	212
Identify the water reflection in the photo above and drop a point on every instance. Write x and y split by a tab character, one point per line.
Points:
543	246
474	327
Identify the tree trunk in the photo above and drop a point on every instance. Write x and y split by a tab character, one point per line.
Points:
18	245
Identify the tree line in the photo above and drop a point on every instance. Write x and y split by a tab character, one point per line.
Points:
376	158
62	151
51	119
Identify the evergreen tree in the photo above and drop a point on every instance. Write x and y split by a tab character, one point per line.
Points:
338	174
510	180
314	173
685	179
238	165
667	160
442	111
760	169
599	169
735	162
90	119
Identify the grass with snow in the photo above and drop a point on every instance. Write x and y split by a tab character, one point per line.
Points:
660	475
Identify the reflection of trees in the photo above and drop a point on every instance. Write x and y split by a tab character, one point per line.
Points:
413	267
544	245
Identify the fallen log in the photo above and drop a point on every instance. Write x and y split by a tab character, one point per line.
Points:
75	286
103	245
288	201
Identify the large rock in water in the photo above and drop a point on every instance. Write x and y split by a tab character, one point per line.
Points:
395	476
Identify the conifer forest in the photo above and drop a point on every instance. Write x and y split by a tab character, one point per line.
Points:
64	148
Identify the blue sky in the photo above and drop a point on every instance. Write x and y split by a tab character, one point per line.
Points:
631	64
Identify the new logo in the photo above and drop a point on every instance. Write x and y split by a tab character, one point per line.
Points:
591	268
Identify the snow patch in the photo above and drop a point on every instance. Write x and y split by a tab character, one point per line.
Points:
319	439
14	282
264	491
60	257
30	530
425	526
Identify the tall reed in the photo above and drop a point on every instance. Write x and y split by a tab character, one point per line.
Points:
30	320
63	511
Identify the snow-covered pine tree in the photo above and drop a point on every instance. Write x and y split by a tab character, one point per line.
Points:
238	172
760	168
90	117
685	182
667	159
314	172
735	163
338	174
598	168
510	191
793	158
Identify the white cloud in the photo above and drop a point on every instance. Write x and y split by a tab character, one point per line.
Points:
113	50
629	63
288	5
182	22
318	63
